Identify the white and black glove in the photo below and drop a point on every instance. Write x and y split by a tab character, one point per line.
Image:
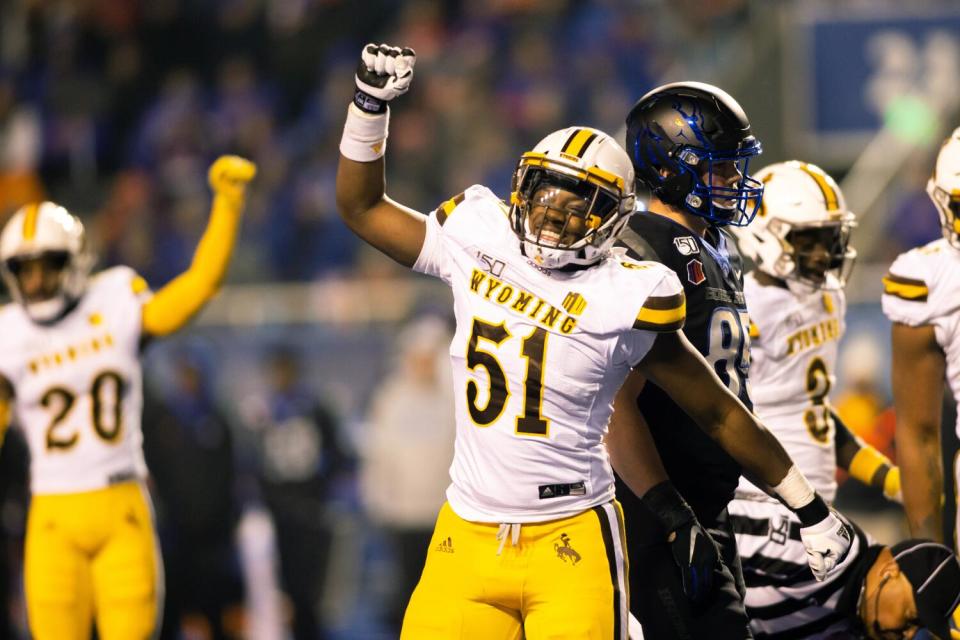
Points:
384	73
827	543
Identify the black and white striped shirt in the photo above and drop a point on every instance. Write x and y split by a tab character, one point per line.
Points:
784	601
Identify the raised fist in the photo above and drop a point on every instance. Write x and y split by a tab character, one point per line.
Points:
384	73
229	176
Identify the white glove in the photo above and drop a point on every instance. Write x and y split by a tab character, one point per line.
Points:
384	73
827	544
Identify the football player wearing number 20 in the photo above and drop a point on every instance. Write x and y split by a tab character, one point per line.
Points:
69	367
550	322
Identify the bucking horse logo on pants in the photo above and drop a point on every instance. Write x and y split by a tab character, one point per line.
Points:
564	550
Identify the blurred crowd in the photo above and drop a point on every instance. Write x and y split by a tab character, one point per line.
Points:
115	108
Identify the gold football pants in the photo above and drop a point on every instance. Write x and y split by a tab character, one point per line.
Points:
92	555
561	579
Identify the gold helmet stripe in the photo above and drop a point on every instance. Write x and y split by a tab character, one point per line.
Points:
829	193
30	221
578	142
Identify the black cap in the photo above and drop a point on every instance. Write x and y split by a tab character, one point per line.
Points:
934	573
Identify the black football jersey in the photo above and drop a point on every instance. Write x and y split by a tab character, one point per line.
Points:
717	325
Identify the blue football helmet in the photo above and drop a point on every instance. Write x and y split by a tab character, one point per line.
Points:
681	137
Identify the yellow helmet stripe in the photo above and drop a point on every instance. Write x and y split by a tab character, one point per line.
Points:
30	221
829	193
578	142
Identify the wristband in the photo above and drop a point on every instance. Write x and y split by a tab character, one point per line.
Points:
367	103
668	506
364	135
891	484
795	492
812	513
865	463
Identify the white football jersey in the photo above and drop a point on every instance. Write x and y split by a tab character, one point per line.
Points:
77	386
537	357
923	288
793	351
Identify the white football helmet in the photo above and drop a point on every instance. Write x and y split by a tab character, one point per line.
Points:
944	188
802	232
578	183
46	229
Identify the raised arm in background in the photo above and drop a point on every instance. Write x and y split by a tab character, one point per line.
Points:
177	302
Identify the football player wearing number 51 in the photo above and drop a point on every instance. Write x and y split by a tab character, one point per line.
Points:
550	322
70	369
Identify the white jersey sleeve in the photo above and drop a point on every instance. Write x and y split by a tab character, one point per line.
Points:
433	259
77	386
664	310
921	285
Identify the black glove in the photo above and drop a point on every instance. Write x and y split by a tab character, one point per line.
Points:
694	551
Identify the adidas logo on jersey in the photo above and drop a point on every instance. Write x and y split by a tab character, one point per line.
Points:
445	546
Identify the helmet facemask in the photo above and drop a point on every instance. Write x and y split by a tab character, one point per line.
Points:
713	196
565	220
948	208
816	255
63	278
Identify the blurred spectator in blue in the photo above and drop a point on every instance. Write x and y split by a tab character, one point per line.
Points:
408	451
301	460
153	91
189	449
